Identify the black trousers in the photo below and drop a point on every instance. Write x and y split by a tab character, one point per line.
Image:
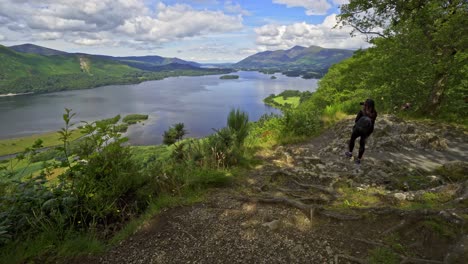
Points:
362	142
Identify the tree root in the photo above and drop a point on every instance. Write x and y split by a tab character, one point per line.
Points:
448	215
305	208
357	260
404	259
370	242
418	260
394	228
321	188
315	199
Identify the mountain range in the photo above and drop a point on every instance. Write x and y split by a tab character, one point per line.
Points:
139	62
32	68
305	58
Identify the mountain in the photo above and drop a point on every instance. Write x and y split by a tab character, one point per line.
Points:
34	49
150	63
139	62
30	72
311	58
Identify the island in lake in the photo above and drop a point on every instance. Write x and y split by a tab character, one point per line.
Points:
225	77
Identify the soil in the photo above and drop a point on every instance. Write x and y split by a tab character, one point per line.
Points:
261	217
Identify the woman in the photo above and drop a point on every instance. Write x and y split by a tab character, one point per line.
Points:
363	127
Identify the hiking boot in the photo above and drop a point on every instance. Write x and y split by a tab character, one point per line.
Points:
358	161
348	154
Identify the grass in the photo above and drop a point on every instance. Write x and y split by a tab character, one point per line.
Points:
16	145
134	118
49	243
226	77
383	255
293	101
352	197
155	206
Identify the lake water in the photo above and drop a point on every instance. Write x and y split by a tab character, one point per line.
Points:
201	103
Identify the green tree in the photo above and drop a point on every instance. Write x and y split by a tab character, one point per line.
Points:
174	134
421	47
238	123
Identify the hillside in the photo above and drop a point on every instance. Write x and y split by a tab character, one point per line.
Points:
26	72
312	58
29	72
307	203
35	49
139	62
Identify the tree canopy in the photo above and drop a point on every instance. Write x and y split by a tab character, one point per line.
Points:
419	55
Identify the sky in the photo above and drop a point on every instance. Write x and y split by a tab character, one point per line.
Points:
206	31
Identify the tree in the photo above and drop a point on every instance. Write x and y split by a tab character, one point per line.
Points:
174	134
427	38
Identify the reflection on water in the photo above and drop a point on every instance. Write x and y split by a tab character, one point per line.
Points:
201	103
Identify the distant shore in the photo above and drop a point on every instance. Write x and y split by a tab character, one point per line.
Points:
13	94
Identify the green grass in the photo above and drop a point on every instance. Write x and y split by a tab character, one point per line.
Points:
49	243
383	255
155	206
15	145
293	101
134	118
228	77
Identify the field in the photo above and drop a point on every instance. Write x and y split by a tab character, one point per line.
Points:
293	101
15	145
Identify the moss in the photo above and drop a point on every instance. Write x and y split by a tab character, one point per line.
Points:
440	227
412	182
383	255
454	171
353	197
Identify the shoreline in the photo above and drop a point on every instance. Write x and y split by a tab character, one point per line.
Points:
14	94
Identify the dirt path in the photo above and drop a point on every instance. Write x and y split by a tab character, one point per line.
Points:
235	225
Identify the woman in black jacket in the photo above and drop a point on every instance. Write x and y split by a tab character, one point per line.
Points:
363	127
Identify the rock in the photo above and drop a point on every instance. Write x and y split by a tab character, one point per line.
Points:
459	253
273	225
320	166
433	178
400	196
312	159
329	250
456	167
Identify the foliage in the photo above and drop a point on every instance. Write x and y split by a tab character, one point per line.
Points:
287	99
382	255
419	56
134	118
102	189
238	124
17	145
174	134
229	77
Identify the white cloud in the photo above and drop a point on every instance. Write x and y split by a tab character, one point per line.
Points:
178	22
270	37
315	7
2	38
340	2
91	42
48	35
119	20
230	7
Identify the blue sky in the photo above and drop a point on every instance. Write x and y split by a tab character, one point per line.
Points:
199	30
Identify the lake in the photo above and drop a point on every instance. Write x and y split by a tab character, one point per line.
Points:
201	103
